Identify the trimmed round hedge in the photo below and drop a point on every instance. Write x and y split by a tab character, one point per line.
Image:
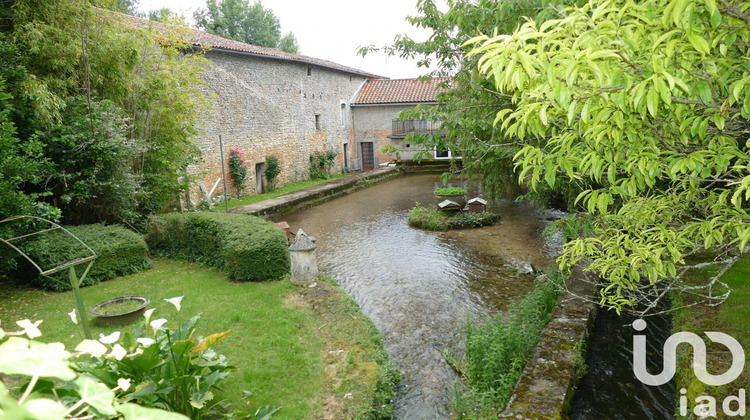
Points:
245	248
119	252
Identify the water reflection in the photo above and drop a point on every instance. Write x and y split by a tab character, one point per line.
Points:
419	287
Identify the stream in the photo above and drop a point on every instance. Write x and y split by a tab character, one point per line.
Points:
609	389
419	288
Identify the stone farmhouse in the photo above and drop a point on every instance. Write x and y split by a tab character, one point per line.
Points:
269	102
375	109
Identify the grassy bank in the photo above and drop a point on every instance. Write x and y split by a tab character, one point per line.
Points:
497	349
309	350
360	379
285	189
733	318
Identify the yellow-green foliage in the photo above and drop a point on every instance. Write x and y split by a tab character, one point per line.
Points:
243	247
645	105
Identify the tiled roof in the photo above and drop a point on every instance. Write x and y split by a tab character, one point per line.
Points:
399	91
204	39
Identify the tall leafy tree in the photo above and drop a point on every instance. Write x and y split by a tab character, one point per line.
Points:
252	24
467	106
288	43
88	158
166	15
19	166
112	108
645	105
126	6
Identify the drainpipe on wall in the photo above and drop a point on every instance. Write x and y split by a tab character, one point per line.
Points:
223	173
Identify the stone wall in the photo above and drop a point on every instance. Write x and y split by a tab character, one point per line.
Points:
373	123
550	376
267	106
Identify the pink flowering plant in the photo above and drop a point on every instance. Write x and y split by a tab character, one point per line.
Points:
238	169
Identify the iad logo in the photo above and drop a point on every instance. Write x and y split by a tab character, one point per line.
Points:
699	357
707	404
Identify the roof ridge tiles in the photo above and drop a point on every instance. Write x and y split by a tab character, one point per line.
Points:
199	38
400	91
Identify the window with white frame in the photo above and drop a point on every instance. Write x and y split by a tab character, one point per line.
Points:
443	153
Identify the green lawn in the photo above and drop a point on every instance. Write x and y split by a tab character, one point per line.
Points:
732	317
280	341
286	189
735	313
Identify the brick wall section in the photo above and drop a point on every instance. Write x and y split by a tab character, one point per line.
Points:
267	107
374	123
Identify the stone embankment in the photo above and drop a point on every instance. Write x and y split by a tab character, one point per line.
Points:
549	378
317	194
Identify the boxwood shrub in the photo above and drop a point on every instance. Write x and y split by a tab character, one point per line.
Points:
245	248
119	252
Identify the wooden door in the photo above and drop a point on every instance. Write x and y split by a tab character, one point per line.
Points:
368	157
346	156
259	169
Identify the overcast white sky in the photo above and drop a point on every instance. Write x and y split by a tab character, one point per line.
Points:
335	29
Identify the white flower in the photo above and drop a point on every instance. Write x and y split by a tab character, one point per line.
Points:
118	352
147	314
123	384
30	328
136	352
73	317
176	302
145	341
157	323
109	339
91	347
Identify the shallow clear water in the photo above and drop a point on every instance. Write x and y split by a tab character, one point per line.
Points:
419	287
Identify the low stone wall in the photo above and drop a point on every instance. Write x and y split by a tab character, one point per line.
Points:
549	378
311	196
426	166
